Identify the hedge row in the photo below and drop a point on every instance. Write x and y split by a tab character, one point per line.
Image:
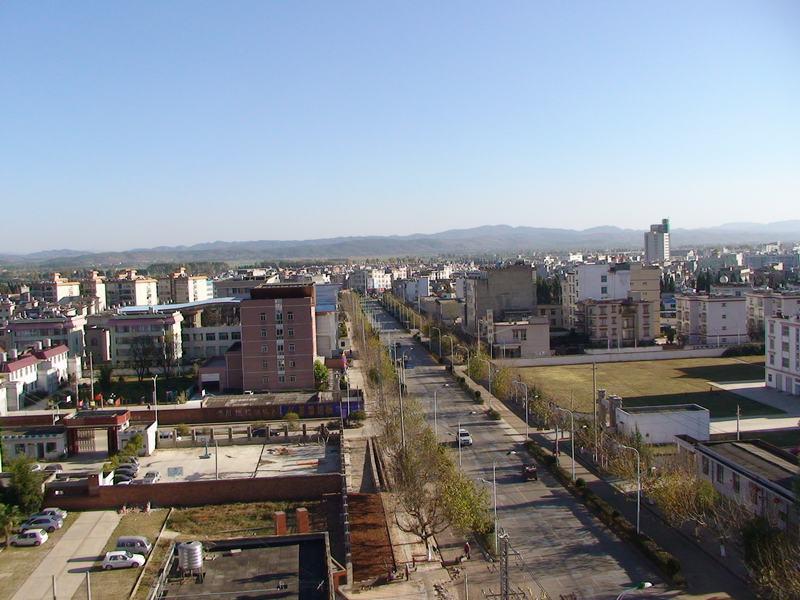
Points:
745	350
611	517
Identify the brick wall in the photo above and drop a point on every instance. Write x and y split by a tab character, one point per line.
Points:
195	493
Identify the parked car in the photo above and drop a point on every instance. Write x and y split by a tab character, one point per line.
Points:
152	477
49	524
129	469
122	479
36	467
122	559
31	537
50	512
129	460
136	544
54	468
464	437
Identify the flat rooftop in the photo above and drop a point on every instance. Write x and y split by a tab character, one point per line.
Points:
234	400
632	410
759	460
257	568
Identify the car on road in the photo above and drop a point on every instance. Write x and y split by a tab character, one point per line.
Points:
122	559
50	512
49	524
151	477
31	537
464	437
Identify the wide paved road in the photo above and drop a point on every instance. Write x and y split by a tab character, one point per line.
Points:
560	543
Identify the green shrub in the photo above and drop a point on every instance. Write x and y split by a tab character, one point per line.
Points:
580	482
493	414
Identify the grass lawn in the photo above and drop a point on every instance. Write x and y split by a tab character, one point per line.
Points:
132	390
644	383
240	520
109	585
16	564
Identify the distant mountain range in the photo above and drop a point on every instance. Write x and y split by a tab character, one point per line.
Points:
488	239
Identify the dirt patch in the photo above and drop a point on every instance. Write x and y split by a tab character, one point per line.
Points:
371	547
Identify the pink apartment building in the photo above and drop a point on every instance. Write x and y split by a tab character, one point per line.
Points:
278	337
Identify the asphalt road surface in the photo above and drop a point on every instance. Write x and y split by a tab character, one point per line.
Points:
559	543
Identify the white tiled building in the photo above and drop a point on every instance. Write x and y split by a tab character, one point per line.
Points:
763	303
711	320
783	354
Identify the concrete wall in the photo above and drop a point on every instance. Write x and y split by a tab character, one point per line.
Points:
89	495
661	426
625	355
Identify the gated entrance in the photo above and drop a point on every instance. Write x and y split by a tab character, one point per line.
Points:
82	425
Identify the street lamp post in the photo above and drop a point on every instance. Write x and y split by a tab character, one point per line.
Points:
450	337
488	362
467	349
643	585
525	386
439	337
571	434
435	419
155	398
638	484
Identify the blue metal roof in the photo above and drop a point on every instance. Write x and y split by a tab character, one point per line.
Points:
173	307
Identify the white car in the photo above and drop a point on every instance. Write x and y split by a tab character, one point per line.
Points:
121	559
31	537
152	477
52	511
464	437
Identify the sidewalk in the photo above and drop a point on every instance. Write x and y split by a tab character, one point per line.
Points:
705	576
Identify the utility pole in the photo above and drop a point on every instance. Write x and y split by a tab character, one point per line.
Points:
594	406
738	421
91	384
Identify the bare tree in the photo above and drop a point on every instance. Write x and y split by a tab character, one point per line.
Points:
167	354
143	355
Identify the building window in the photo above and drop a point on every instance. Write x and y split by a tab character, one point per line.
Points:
223	336
263	332
604	290
519	334
280	347
281	379
603	278
263	316
736	482
290	332
292	378
236	335
211	337
290	316
278	316
265	380
291	347
292	364
279	331
264	364
720	473
281	365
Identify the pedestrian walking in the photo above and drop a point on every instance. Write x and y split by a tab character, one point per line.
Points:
467	550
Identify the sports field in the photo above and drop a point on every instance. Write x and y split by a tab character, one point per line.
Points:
644	383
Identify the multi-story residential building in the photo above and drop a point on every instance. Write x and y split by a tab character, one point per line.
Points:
757	476
783	353
279	338
370	280
656	243
710	320
763	303
94	287
179	287
412	290
725	288
55	289
41	370
618	322
503	294
609	281
130	289
125	328
205	342
789	260
554	313
521	339
240	285
66	328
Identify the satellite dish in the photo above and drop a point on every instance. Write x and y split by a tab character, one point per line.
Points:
723	279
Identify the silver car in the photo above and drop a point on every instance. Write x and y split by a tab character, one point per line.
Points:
48	523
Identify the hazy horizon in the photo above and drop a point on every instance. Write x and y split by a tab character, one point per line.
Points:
134	125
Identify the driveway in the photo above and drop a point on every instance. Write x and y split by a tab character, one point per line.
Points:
75	553
555	539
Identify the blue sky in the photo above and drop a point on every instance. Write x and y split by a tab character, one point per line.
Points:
160	123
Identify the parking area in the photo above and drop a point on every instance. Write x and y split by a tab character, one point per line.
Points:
226	462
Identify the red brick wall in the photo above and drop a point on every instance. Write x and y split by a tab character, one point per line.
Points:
197	493
26	421
223	414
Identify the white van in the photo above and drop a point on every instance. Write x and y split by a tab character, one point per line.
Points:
135	544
